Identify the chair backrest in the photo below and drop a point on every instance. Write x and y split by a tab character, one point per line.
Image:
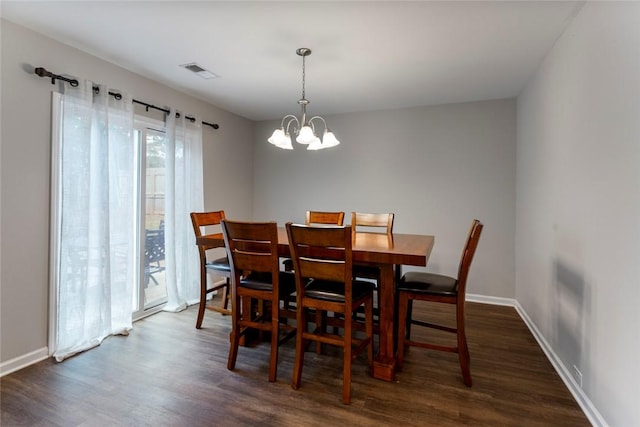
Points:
206	223
154	246
321	253
372	222
324	218
202	220
467	256
252	247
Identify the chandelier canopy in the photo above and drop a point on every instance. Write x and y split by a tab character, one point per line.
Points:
303	128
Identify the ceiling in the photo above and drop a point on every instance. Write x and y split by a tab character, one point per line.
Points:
367	55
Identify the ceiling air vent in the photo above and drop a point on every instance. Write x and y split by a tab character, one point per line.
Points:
195	68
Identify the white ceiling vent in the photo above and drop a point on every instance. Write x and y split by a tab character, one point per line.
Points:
205	74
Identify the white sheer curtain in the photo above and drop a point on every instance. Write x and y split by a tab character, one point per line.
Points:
184	170
94	218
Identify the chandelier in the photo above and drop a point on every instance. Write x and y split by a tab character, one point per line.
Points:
304	129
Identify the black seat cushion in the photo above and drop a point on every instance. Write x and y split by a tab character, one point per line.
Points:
220	264
428	283
366	271
334	291
263	282
288	264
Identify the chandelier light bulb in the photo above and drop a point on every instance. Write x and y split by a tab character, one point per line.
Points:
329	139
315	144
285	143
277	137
305	136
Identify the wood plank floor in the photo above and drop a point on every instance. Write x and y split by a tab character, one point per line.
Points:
167	373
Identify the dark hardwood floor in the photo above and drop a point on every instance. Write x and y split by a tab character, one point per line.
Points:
167	373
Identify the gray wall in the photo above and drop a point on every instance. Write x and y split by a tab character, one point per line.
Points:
436	168
578	204
25	160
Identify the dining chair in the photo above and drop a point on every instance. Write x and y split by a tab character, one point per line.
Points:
154	254
381	223
204	222
324	255
317	218
422	286
252	249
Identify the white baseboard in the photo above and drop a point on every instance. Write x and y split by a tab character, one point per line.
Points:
581	398
510	302
23	361
579	395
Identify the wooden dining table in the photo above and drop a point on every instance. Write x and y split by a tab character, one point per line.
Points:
380	250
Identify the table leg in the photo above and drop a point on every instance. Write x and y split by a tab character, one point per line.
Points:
384	364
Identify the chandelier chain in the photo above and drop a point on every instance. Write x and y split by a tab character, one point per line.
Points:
303	77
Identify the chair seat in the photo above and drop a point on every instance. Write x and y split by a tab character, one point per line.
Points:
220	264
332	291
262	282
428	283
366	271
288	264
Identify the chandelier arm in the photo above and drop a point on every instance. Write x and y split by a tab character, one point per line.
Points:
323	121
292	119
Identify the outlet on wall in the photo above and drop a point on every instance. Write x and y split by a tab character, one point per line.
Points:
577	375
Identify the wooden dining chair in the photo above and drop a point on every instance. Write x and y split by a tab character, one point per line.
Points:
317	218
154	254
437	288
324	254
381	223
208	223
252	248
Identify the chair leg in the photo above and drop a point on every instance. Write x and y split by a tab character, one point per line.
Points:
463	349
203	297
273	360
368	312
465	361
301	328
378	299
154	279
409	317
403	304
261	313
346	372
235	335
321	326
397	273
225	293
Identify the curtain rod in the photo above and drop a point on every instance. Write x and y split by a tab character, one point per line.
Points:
74	83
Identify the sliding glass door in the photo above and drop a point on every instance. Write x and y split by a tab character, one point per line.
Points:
151	289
